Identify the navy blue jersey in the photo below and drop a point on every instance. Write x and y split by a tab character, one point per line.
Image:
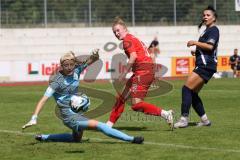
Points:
235	58
208	59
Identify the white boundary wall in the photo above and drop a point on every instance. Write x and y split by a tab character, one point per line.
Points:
17	71
42	47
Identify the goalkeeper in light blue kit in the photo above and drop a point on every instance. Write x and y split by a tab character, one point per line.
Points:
63	87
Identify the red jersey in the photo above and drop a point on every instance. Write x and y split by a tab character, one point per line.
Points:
143	61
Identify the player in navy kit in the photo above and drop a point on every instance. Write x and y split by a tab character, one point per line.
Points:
205	67
63	87
234	61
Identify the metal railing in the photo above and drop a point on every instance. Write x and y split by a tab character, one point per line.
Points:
84	13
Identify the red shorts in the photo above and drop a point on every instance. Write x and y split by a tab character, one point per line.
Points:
139	84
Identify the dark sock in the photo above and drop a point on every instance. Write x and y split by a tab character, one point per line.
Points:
186	101
62	137
197	104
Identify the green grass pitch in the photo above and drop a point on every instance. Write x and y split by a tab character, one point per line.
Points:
221	98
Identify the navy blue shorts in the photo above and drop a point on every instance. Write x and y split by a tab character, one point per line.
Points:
204	73
237	67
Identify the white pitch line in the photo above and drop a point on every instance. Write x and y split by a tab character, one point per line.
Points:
17	132
145	143
192	147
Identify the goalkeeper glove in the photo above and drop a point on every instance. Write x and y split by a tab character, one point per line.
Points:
95	55
32	122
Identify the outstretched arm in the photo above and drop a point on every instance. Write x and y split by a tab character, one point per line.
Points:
91	59
39	106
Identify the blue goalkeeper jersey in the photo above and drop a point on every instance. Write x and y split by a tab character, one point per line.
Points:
62	87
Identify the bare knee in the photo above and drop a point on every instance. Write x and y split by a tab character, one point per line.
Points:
92	123
194	82
136	100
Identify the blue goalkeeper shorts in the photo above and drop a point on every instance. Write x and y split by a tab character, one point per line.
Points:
71	119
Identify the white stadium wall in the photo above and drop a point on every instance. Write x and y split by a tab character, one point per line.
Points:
31	54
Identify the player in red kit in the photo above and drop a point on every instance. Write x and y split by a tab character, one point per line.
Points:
143	75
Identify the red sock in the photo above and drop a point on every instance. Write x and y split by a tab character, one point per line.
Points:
117	110
147	108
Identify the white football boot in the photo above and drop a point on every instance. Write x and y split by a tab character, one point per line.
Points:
204	121
170	119
181	123
168	116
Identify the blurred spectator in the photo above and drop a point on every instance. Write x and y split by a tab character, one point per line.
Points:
153	48
234	61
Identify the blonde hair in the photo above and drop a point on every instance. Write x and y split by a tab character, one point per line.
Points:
68	56
118	20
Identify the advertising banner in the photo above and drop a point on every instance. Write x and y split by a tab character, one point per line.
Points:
183	66
105	68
